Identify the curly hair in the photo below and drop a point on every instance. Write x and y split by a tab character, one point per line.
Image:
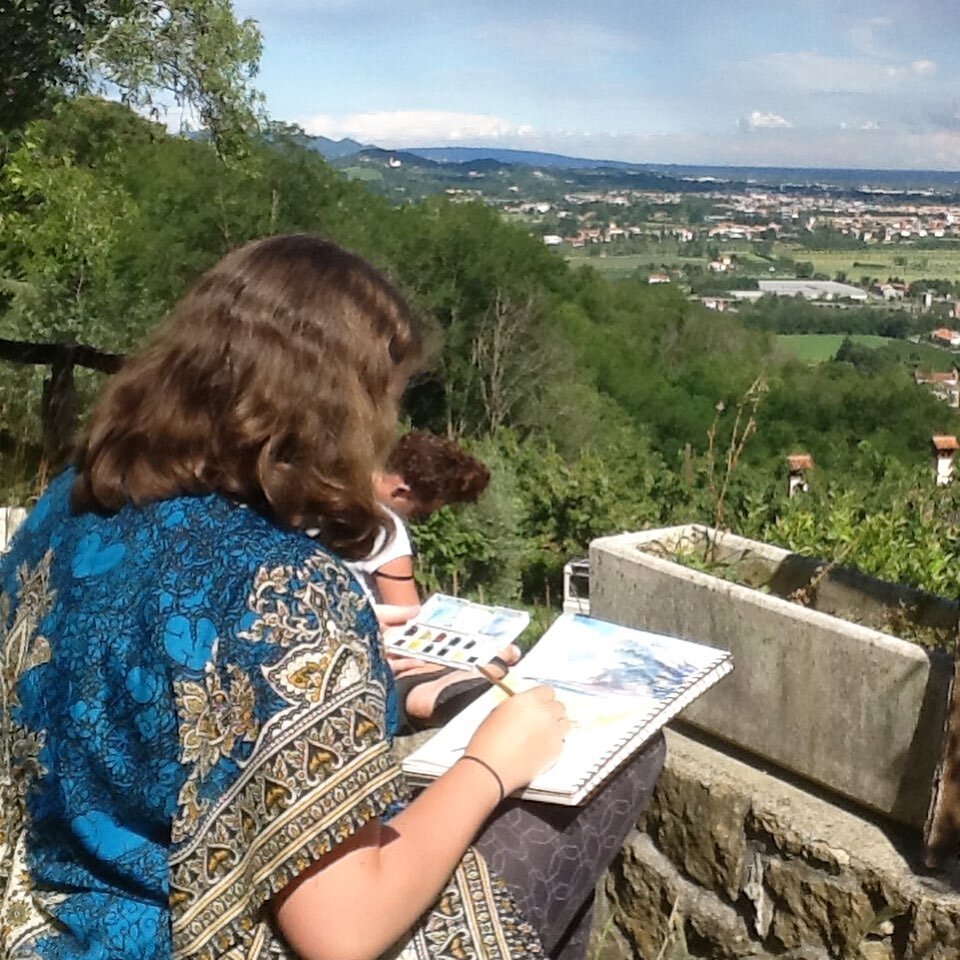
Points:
437	470
275	381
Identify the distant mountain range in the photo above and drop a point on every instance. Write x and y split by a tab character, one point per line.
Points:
334	149
340	149
529	158
894	181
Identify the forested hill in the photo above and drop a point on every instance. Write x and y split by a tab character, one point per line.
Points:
601	405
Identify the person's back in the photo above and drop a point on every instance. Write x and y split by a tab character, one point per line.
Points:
143	653
195	755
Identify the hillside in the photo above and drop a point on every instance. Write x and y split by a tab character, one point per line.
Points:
600	405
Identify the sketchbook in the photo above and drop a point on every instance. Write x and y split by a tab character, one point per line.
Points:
620	686
456	632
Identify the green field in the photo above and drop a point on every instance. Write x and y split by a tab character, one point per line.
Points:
874	262
879	262
619	266
818	347
368	174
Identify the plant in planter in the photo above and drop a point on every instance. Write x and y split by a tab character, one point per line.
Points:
905	613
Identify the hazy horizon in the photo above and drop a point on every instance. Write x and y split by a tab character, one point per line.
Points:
831	84
493	148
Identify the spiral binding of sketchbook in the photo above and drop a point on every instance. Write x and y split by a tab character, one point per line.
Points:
620	687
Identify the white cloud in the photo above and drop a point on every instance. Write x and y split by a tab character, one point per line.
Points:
863	34
809	72
757	120
855	143
407	128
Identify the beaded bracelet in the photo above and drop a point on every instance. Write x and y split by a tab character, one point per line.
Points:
493	773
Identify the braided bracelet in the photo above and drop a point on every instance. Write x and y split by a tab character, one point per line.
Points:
493	773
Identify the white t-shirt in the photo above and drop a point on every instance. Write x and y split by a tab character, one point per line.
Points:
386	548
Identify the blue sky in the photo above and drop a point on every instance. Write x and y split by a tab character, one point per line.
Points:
840	83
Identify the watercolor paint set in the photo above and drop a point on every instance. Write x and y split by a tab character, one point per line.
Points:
457	633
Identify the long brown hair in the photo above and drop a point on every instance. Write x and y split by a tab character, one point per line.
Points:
274	381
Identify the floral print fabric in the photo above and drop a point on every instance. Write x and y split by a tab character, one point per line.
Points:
195	707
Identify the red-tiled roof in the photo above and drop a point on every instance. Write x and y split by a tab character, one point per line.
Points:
944	443
936	376
800	461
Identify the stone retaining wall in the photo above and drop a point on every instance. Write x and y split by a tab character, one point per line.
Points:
751	866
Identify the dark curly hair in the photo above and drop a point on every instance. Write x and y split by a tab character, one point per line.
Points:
275	381
437	470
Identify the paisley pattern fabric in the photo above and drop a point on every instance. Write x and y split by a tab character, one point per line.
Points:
195	707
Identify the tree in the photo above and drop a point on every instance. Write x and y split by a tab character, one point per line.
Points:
41	45
508	357
480	282
193	51
66	237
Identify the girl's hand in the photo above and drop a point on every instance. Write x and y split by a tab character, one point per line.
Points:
394	615
522	736
510	655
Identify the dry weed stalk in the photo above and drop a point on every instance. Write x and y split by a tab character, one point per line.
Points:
744	427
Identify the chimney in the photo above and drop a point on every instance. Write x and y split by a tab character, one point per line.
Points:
944	453
797	466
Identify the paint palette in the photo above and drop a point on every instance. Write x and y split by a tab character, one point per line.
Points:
457	633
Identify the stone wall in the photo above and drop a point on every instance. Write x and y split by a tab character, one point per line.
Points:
748	851
734	862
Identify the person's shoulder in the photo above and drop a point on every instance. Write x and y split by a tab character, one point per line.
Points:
212	546
235	530
47	518
53	506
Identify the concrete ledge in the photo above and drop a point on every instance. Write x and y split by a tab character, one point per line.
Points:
858	711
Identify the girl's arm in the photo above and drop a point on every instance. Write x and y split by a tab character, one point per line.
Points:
395	584
364	895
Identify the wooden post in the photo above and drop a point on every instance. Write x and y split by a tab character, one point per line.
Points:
58	411
941	832
58	405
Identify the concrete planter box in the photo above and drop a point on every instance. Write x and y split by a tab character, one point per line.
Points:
815	689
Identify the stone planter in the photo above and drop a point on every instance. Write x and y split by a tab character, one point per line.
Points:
816	689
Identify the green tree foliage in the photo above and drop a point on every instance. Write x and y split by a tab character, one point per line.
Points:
593	401
62	242
485	288
899	527
108	218
793	315
829	238
41	45
194	52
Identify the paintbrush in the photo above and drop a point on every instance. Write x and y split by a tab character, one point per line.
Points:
497	682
